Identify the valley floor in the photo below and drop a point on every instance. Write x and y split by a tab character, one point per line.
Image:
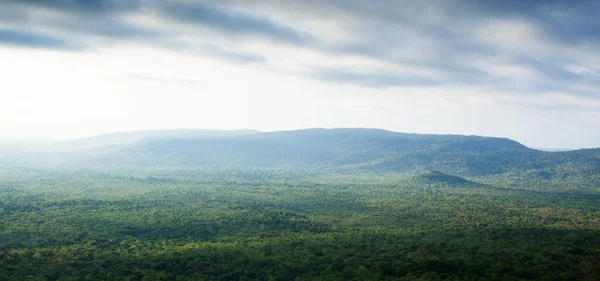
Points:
193	224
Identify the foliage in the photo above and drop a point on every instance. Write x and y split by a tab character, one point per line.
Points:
177	223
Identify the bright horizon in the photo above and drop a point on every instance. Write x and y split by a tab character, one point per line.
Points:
525	72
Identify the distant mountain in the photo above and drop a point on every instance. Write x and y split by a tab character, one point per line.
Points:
337	147
369	149
347	149
124	138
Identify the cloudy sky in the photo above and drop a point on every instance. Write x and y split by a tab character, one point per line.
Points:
527	70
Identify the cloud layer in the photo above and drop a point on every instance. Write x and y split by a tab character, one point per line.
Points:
459	42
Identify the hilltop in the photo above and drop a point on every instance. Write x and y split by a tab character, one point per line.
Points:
438	178
363	149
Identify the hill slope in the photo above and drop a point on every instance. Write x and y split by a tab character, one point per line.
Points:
443	179
368	149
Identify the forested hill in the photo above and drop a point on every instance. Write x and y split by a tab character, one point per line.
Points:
369	149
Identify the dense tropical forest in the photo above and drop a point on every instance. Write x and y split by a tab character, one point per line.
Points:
351	204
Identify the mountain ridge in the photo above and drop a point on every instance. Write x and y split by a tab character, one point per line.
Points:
360	148
349	149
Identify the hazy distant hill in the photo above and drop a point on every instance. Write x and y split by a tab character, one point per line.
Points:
123	138
338	147
350	149
370	149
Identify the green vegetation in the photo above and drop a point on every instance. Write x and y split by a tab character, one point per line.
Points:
335	208
433	178
191	224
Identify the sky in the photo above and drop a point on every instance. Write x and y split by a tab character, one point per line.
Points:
526	70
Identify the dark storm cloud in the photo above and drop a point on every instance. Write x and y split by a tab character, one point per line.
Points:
232	22
32	39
